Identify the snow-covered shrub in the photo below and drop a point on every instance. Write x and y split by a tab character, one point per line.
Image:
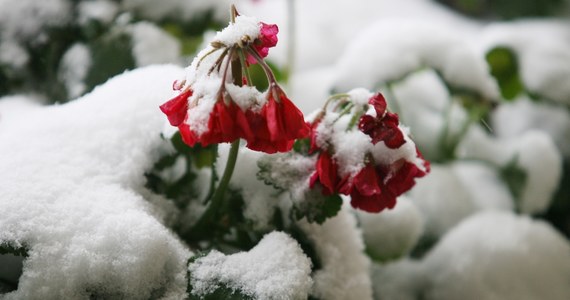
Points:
431	164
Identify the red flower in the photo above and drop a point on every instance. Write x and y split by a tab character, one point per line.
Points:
267	39
383	127
260	139
284	120
276	127
326	174
227	123
177	108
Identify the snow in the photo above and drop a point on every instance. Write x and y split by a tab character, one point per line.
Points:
533	152
498	255
276	268
178	9
442	199
393	233
74	66
233	34
13	54
398	280
410	46
77	200
344	272
259	199
513	119
152	45
541	47
103	11
24	20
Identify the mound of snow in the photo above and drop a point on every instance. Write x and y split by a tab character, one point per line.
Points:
72	192
498	255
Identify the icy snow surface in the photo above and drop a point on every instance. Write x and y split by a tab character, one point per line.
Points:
72	192
276	268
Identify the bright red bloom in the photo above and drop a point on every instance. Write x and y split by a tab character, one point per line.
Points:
227	123
374	189
177	108
383	127
326	174
260	139
276	127
284	120
267	39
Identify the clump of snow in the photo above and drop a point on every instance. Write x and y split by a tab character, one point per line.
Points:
442	199
152	45
24	20
360	96
399	280
344	272
276	268
393	233
243	27
73	193
13	54
246	97
533	152
73	69
407	47
486	188
498	255
541	47
103	11
510	120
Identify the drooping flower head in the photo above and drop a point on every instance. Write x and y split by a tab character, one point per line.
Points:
219	104
363	152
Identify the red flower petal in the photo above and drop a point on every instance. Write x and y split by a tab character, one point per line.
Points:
366	181
379	104
326	174
284	120
177	108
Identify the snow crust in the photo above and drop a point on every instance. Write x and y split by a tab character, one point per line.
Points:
77	199
276	268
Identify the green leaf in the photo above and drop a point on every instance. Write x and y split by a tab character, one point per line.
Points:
515	177
317	208
504	67
111	55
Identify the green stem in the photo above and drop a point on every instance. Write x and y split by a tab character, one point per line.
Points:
198	230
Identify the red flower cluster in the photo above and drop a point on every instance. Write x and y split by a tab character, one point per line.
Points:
374	187
267	39
273	129
383	127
